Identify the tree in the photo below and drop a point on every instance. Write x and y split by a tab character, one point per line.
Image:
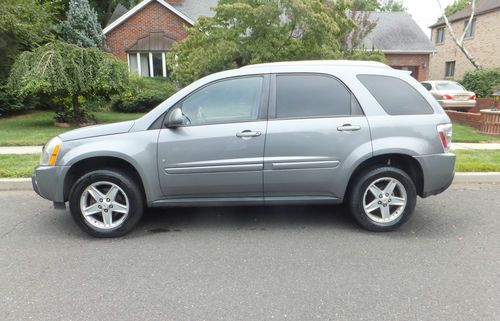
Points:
60	69
105	8
460	41
81	26
245	32
24	24
456	6
378	5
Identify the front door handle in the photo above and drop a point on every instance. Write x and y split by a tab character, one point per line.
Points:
248	134
348	128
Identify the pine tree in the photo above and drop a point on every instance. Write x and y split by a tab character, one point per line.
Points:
82	27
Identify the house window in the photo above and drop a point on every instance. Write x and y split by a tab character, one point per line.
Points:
449	69
148	64
440	35
472	29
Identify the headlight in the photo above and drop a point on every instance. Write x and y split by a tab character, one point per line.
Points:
50	151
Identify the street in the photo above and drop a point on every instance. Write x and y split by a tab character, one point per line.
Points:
255	263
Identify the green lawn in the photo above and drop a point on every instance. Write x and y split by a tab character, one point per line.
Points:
467	161
37	127
466	134
12	166
477	160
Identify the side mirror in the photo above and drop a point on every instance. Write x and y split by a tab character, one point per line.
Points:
175	118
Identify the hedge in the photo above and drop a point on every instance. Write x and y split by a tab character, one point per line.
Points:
482	81
143	95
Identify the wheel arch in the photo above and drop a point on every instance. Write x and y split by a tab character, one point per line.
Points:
85	165
405	162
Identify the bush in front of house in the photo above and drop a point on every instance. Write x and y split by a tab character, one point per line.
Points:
143	94
482	81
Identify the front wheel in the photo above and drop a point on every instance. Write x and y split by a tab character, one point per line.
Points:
382	198
106	203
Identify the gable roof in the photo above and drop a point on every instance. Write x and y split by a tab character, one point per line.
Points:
196	8
397	32
482	7
141	5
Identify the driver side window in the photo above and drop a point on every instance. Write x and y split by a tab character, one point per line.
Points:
233	100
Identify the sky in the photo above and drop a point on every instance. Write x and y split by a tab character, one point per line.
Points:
425	12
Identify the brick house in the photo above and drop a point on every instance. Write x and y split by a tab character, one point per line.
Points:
403	43
144	34
481	40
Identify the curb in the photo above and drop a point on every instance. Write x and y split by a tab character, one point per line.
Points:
24	184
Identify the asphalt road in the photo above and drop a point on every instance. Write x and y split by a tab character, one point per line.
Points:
278	263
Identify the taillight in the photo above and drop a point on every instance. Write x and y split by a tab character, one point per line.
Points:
445	133
447	97
473	97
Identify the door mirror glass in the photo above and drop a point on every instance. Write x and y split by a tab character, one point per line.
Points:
175	118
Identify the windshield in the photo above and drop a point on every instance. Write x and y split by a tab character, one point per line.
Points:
449	86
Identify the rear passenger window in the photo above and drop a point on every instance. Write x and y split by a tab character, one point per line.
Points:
311	96
395	95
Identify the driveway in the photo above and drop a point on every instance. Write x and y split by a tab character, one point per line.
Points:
278	263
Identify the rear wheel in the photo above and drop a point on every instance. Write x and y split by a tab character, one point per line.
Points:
106	203
382	198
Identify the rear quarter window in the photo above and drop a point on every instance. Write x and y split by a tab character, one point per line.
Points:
396	96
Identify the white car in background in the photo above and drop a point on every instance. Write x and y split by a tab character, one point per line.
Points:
451	95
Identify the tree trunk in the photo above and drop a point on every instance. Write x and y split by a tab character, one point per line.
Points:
76	109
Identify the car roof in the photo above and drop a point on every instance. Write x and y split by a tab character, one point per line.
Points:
342	63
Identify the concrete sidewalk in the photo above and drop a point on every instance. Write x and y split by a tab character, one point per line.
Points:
4	150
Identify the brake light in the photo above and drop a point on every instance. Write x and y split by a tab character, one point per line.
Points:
447	97
445	133
473	97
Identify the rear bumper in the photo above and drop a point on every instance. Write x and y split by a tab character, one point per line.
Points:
48	182
457	103
438	170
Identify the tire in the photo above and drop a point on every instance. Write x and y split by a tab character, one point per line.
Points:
384	213
113	202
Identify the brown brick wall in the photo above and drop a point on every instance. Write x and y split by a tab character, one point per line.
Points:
472	119
153	17
421	62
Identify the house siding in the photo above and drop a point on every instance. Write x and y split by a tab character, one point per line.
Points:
154	17
484	46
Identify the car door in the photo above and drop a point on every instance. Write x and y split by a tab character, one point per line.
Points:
218	150
316	131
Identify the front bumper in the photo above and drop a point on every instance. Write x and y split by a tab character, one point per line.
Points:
48	182
438	170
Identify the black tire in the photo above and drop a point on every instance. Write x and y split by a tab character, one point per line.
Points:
357	194
129	187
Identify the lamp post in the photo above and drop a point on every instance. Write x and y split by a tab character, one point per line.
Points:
496	97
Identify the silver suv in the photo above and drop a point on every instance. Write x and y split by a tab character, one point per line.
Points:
313	132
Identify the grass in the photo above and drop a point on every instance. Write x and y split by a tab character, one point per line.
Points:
15	166
37	127
477	160
466	134
12	166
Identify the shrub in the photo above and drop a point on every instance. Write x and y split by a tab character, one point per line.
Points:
483	81
143	94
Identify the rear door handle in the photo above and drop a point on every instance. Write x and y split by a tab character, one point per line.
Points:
248	134
348	128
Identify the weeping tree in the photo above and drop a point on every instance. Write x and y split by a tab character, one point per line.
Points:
81	26
60	69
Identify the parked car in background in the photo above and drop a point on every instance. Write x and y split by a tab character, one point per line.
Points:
451	94
317	132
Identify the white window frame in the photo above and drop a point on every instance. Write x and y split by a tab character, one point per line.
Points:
150	62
